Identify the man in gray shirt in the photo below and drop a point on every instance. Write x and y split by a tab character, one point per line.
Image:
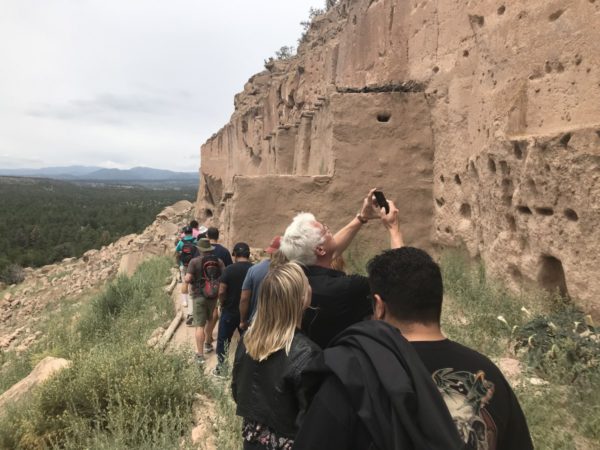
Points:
252	282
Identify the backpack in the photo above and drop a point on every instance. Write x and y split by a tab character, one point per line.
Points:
211	272
188	251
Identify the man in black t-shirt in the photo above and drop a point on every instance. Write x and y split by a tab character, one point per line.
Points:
230	289
407	288
338	300
221	252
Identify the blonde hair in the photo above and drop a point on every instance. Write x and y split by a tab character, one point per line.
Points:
279	311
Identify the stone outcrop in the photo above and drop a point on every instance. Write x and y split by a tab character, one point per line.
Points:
21	307
40	373
481	119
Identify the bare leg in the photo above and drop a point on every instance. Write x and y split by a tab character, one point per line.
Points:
200	339
210	326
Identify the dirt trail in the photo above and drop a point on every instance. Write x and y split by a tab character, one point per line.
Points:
203	435
184	336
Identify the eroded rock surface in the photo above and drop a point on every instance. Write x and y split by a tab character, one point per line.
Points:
480	118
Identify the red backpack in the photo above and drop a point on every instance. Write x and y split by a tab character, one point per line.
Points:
211	273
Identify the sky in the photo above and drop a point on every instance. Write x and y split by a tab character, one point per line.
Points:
126	83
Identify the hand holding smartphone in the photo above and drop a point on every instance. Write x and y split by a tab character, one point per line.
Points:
381	201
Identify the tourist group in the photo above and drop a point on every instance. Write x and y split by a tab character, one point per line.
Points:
327	360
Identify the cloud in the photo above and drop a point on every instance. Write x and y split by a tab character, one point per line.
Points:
12	162
111	108
112	165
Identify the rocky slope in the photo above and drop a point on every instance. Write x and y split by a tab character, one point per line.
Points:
22	306
480	118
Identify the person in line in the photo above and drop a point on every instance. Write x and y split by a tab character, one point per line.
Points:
203	275
338	300
212	234
408	292
197	229
230	288
186	250
222	253
252	282
373	390
266	378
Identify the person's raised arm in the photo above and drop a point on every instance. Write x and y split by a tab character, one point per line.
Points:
344	237
391	222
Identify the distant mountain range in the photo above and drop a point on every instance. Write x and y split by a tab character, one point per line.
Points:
99	174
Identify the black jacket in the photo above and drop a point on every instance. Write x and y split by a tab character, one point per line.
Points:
383	393
269	392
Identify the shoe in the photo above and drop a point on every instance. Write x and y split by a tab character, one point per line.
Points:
189	321
217	374
208	348
199	359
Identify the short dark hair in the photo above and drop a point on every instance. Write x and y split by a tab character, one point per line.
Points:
409	282
212	233
241	249
194	224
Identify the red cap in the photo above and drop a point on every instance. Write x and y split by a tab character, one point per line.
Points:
274	246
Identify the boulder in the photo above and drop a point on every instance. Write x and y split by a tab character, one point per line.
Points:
44	370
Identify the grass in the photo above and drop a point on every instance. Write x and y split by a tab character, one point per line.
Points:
118	393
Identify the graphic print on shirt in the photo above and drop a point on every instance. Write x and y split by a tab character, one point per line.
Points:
466	394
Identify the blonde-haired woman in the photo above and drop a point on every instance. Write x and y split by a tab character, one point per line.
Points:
270	359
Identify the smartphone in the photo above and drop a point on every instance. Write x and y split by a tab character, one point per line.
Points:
381	201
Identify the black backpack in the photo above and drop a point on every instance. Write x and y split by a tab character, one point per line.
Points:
211	273
188	251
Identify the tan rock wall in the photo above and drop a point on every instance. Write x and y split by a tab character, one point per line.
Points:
492	138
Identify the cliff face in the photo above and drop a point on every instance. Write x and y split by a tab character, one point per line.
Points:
480	119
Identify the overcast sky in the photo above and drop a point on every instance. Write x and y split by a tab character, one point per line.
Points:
124	83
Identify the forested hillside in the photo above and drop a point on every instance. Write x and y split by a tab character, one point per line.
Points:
43	221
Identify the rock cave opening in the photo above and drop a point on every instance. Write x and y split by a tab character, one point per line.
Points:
551	275
384	117
571	215
519	149
524	210
564	140
544	211
465	210
208	213
457	179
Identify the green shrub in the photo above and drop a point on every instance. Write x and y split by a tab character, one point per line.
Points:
561	347
12	274
125	392
118	393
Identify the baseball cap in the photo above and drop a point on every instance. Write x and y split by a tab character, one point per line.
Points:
241	249
274	245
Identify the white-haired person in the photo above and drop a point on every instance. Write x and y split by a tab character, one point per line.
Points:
338	300
269	360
